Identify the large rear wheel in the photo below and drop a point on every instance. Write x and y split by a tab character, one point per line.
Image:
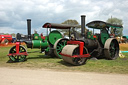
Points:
59	45
111	49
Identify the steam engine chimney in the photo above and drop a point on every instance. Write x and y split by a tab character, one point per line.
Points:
83	25
29	28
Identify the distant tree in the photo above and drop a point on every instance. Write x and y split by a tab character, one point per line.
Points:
71	22
118	32
13	34
6	33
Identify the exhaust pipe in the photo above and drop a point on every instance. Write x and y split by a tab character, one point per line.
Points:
29	41
29	28
83	25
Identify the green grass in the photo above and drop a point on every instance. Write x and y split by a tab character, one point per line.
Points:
37	60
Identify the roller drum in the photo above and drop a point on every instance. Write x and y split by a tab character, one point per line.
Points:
73	50
36	44
68	50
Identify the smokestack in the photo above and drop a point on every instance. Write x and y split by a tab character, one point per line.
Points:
29	28
83	25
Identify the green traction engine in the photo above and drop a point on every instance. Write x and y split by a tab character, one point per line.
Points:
100	45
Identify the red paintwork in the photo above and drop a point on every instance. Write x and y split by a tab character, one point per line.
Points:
17	47
17	51
16	54
94	36
42	37
81	45
77	56
8	37
112	35
3	39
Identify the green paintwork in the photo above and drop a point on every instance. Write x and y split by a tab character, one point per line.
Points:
47	49
54	36
36	36
114	26
60	45
104	36
102	25
46	38
19	58
49	40
89	35
125	37
39	44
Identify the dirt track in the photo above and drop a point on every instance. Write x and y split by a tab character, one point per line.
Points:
10	76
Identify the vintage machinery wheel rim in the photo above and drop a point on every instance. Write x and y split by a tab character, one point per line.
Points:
58	46
18	58
111	49
74	50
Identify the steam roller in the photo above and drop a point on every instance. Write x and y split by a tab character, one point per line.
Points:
55	38
88	45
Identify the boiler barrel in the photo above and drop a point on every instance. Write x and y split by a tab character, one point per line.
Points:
89	43
39	44
36	44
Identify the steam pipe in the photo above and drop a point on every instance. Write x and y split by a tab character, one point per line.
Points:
83	25
29	28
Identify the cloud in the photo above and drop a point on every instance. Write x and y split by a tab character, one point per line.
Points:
13	13
10	30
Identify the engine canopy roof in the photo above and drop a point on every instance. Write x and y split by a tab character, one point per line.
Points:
102	25
59	26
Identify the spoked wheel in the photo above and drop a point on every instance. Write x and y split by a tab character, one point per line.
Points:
17	58
73	50
111	49
58	46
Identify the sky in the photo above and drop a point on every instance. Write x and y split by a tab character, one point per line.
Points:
14	13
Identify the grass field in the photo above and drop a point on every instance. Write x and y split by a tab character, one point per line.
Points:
36	60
